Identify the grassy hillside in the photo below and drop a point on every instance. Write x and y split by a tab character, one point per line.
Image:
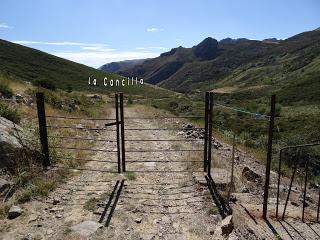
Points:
32	65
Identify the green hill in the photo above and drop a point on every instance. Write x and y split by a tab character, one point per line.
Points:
32	65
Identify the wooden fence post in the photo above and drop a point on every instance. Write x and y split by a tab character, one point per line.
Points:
43	129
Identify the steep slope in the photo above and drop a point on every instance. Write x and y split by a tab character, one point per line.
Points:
117	66
214	64
32	65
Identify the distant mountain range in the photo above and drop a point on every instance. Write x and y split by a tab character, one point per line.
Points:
118	66
233	62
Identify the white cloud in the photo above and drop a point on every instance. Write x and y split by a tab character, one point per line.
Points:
97	59
61	43
100	49
154	48
4	25
153	29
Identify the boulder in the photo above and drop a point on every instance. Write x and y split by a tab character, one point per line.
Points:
4	185
250	175
14	212
11	141
86	228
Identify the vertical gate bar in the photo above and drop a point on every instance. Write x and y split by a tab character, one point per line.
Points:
43	129
210	132
269	157
118	132
205	154
318	207
278	184
305	187
290	187
123	154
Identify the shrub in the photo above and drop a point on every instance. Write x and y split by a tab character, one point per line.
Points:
5	89
9	113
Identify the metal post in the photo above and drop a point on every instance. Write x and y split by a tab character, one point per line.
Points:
210	132
279	178
205	157
269	157
118	132
291	182
43	129
318	207
305	187
123	154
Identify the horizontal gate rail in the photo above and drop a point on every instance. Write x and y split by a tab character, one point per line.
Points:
167	161
162	129
84	159
164	140
83	128
80	118
156	117
168	150
84	149
82	169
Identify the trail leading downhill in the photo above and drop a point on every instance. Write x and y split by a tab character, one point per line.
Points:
156	202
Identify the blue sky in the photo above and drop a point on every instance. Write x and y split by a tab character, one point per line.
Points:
94	32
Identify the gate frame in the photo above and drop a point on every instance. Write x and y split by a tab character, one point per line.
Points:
43	134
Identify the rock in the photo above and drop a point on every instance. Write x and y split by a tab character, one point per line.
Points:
14	211
250	175
4	185
227	226
244	189
59	216
33	217
138	220
55	201
11	141
86	228
27	237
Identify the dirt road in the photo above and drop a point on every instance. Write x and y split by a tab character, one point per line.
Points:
156	203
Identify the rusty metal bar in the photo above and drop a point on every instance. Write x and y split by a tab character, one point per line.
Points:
210	132
123	151
305	187
269	157
205	150
43	129
114	204
118	132
291	182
